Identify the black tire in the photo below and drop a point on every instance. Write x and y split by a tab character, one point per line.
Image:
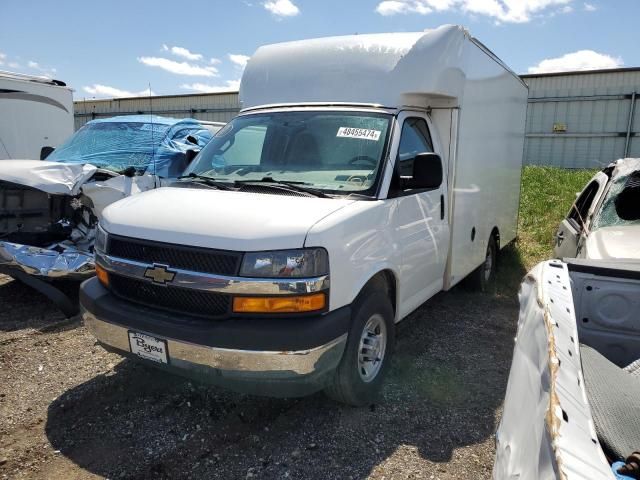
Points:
348	384
482	278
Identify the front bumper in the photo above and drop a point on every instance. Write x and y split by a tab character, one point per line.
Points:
47	264
282	357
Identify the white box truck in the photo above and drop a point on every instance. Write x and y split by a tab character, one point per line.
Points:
36	115
365	174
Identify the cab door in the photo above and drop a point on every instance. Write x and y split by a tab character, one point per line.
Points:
575	227
421	226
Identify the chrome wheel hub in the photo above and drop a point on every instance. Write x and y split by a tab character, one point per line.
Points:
373	344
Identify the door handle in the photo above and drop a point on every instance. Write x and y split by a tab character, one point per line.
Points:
441	207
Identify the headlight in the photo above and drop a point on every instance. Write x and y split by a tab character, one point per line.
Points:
101	240
308	262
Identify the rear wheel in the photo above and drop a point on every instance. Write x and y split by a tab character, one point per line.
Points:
484	276
358	378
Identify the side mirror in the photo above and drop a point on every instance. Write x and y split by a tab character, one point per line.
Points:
427	172
190	155
45	152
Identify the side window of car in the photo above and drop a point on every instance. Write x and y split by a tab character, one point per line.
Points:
414	139
580	209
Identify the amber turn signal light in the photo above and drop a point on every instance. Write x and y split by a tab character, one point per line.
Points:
288	304
102	275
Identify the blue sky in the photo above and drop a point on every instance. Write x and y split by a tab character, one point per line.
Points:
118	48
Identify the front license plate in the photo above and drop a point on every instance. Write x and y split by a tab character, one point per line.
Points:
147	347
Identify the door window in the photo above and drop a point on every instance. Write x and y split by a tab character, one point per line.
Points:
580	209
414	139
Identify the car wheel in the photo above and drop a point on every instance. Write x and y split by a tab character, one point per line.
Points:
484	276
358	378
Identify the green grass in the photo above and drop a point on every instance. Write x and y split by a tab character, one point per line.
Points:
546	196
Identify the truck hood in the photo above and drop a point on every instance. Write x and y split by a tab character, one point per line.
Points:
50	177
226	220
611	243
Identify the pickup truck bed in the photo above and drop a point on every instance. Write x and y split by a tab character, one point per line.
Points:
573	398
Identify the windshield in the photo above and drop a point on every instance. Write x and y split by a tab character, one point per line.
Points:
112	145
340	152
607	216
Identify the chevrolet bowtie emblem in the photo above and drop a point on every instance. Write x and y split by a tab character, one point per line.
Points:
159	274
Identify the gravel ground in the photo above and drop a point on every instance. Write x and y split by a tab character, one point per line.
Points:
68	409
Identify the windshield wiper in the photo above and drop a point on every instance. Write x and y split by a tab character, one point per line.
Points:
206	180
292	185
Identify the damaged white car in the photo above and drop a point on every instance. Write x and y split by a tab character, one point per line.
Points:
49	210
573	397
594	228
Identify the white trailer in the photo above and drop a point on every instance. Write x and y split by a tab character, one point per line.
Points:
365	174
35	113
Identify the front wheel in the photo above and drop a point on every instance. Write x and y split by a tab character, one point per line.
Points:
358	378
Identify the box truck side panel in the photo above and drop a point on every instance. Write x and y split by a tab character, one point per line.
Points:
488	161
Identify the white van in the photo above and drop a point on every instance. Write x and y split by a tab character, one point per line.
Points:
365	174
36	115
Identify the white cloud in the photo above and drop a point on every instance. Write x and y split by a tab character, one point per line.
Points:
99	90
214	61
47	72
179	68
282	8
230	86
239	60
11	62
182	52
422	7
512	11
589	7
580	60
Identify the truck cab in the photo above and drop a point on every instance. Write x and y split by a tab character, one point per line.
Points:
305	230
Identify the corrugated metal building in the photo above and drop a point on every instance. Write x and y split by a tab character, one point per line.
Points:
574	119
214	107
582	119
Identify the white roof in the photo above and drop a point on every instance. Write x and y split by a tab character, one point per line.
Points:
23	77
380	69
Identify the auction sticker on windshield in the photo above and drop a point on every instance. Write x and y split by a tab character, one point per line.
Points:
363	133
148	347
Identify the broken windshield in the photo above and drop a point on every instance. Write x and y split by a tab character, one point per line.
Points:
608	216
340	152
113	145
